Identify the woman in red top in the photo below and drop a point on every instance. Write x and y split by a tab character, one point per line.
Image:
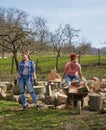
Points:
72	70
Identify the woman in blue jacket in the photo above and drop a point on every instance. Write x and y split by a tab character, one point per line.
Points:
26	76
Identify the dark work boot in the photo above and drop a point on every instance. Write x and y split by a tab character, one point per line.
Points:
37	107
25	108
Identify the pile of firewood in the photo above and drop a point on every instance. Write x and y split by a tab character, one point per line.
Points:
53	75
78	87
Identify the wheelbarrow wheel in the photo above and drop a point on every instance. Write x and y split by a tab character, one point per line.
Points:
79	107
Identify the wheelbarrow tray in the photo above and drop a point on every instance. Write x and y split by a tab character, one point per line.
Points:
77	95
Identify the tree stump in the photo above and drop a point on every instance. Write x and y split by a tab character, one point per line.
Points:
39	89
95	102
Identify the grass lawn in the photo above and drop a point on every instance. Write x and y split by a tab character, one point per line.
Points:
13	118
47	62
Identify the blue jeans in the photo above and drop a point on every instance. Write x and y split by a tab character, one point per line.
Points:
69	78
24	81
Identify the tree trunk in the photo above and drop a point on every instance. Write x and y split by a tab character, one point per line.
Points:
57	63
58	53
12	64
3	52
16	60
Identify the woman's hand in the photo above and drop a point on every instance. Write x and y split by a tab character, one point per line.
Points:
15	81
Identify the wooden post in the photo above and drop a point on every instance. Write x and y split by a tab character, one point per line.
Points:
79	58
99	57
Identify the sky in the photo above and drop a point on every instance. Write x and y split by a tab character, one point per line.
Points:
87	15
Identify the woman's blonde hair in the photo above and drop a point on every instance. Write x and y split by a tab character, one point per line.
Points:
26	52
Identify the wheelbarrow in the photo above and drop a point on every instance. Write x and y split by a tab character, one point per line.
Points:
77	99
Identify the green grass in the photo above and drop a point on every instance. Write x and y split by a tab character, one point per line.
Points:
13	118
92	59
47	62
5	65
95	71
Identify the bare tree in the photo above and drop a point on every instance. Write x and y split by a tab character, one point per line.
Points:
63	38
84	46
67	37
12	32
58	39
71	34
40	39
